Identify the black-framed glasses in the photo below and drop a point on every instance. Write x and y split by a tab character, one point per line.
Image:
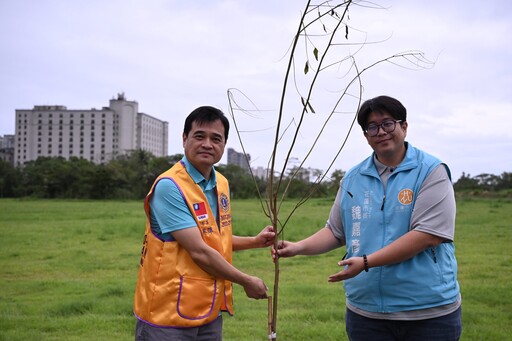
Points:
388	126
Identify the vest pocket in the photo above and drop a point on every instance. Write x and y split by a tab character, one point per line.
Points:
196	297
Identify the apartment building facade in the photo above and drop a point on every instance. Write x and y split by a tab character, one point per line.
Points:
98	135
7	148
239	159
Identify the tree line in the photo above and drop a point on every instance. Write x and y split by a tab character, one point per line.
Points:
131	176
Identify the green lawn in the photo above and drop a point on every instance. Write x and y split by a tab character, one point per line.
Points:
68	271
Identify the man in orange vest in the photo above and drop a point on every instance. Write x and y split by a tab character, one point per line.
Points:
186	272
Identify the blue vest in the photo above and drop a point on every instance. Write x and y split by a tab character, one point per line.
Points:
373	218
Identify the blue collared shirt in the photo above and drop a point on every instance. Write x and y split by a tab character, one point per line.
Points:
169	211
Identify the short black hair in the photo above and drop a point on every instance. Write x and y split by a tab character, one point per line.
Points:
206	114
381	104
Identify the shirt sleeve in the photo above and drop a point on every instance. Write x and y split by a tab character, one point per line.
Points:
334	222
434	210
169	212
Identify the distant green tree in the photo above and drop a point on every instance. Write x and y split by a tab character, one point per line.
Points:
505	181
134	173
9	180
241	184
46	177
103	184
334	183
130	175
158	165
487	182
466	182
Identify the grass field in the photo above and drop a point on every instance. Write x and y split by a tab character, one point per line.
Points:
68	271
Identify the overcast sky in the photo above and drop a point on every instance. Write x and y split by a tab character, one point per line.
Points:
172	56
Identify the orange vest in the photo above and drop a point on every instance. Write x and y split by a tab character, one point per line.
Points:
172	290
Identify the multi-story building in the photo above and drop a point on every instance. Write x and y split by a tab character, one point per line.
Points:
98	135
239	159
7	148
260	172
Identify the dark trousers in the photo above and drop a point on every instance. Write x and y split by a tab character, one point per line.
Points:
444	328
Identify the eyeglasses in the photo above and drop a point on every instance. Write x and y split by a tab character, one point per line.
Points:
388	126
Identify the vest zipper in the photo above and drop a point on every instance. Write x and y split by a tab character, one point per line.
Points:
383	202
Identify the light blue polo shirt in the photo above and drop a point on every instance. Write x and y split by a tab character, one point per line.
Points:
168	209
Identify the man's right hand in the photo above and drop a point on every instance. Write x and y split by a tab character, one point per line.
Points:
255	288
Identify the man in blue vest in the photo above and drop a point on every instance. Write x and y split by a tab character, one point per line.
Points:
395	213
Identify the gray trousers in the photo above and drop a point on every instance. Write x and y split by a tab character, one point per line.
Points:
208	332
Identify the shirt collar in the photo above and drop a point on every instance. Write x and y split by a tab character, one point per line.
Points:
382	168
198	177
